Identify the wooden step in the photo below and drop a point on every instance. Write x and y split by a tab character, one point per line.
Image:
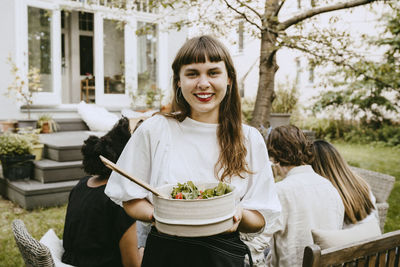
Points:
64	146
71	124
31	194
50	171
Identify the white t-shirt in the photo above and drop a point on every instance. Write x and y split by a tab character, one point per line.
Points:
164	151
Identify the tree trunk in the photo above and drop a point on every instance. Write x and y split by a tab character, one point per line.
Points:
268	68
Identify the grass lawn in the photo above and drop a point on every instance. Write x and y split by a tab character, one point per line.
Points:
37	222
381	159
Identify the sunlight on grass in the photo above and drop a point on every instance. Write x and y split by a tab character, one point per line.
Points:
37	222
381	159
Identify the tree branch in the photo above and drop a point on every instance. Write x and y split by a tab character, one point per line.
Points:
279	8
316	11
242	14
338	63
249	7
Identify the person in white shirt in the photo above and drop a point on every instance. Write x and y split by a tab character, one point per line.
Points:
309	201
202	140
358	200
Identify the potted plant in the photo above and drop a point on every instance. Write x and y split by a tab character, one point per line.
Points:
24	92
15	155
47	124
283	105
32	136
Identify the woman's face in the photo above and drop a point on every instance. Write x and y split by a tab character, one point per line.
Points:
204	87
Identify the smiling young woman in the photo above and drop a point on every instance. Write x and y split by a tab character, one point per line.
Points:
202	139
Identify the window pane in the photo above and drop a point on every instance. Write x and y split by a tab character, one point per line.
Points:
114	57
147	58
39	45
86	54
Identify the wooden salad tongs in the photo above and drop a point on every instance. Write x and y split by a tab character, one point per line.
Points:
109	164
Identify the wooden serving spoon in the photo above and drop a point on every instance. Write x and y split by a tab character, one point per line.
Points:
109	164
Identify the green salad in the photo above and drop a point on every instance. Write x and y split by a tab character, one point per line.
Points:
189	191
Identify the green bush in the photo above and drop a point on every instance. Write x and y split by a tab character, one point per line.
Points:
14	144
387	134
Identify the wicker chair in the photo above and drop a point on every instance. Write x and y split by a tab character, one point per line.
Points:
381	186
33	252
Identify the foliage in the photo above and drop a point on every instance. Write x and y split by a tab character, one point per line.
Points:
369	89
18	88
354	132
12	144
47	118
247	109
286	98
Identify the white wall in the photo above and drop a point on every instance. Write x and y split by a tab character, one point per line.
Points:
8	107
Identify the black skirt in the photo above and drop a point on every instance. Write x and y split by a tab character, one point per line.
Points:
223	250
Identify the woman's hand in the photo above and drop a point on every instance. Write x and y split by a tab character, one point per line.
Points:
237	218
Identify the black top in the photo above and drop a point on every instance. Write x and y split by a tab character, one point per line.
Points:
94	225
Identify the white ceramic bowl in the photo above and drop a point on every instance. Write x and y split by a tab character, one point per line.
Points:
194	217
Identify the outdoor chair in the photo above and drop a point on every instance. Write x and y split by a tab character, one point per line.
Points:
33	252
382	251
381	186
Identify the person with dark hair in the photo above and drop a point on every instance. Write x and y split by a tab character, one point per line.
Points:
309	201
358	200
98	232
203	140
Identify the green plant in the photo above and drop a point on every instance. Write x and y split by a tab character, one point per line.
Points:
247	109
24	93
12	144
47	118
286	98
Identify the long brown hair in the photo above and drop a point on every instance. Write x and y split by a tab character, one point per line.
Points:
232	158
353	190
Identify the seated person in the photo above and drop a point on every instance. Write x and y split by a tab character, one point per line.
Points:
308	200
358	200
97	231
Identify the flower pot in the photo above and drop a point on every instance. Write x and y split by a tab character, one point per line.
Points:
17	167
8	126
45	128
279	119
27	123
37	150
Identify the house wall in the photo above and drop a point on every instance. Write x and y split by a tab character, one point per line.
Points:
8	106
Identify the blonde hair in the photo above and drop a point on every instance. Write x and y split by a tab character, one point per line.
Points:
353	190
232	158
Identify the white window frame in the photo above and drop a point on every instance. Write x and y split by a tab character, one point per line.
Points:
114	100
41	98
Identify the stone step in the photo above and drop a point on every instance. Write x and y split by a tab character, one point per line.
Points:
31	194
50	171
64	146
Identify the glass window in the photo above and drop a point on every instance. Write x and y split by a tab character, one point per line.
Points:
241	35
85	21
147	58
39	45
114	57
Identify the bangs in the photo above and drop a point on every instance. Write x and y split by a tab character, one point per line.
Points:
198	50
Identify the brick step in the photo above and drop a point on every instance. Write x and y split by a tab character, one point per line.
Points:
50	171
31	194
